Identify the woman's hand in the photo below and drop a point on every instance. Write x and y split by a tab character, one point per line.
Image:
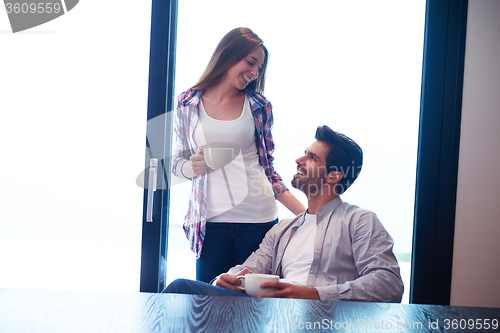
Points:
196	165
198	162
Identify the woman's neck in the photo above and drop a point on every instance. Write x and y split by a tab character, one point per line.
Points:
220	93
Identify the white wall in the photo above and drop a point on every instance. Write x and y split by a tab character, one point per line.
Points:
476	264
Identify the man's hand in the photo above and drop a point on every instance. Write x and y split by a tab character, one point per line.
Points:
287	290
231	281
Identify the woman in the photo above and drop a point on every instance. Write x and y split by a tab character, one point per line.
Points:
231	207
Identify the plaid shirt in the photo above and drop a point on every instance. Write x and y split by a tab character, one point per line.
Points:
185	120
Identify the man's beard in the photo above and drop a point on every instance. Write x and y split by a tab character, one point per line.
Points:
309	188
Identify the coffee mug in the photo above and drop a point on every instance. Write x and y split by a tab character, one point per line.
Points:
251	283
217	158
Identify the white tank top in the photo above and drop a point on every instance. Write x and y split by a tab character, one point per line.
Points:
240	191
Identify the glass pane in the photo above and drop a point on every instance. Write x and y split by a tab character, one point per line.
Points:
72	137
355	66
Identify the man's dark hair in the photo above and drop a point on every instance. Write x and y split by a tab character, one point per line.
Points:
345	156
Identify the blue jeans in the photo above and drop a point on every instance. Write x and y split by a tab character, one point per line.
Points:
183	286
227	245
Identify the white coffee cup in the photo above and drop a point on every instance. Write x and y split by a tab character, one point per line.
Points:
217	158
251	283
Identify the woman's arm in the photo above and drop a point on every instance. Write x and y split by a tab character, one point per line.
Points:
263	117
291	202
187	161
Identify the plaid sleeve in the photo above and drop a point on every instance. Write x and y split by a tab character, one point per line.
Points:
181	150
184	122
265	146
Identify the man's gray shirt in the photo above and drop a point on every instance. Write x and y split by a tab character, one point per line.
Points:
353	258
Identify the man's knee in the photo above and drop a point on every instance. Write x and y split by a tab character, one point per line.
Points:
177	286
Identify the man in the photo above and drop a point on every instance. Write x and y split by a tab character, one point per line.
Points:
333	251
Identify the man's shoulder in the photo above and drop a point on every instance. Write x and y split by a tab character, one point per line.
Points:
354	209
339	207
350	213
357	218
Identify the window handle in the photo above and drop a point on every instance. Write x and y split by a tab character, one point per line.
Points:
153	166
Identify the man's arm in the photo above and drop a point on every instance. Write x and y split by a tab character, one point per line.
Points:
378	286
287	290
379	276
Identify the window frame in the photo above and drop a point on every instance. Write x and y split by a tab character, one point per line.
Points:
437	156
438	151
160	103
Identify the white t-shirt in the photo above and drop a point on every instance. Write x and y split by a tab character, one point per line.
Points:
299	253
241	191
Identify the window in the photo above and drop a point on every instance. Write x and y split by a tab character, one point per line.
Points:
353	66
